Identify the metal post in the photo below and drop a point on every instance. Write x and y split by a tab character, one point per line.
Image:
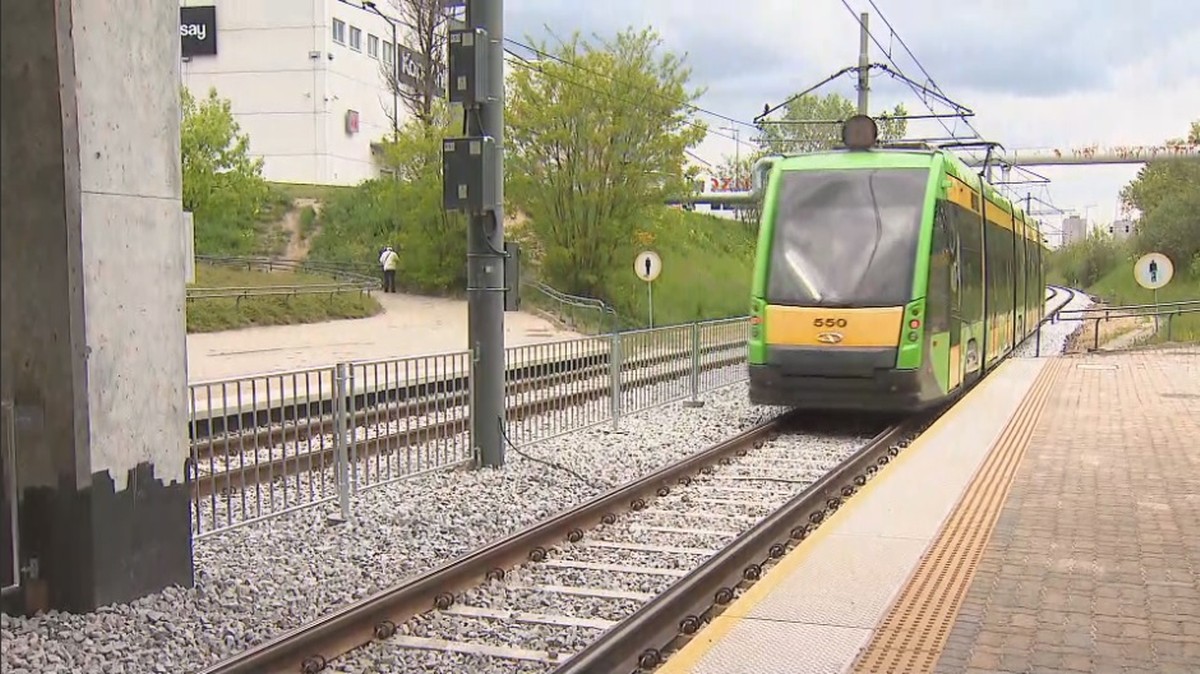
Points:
650	301
485	257
1156	325
614	376
864	64
1037	342
1169	317
339	443
351	431
695	401
8	462
1096	336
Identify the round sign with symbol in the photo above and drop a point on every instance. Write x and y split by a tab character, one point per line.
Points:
647	265
1153	270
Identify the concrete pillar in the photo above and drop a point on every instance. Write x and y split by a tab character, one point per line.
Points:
92	350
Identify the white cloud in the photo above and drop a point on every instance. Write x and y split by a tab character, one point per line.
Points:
1064	74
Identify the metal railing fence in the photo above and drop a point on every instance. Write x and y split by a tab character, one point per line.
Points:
1167	311
270	444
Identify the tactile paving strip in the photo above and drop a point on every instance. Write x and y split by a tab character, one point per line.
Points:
912	635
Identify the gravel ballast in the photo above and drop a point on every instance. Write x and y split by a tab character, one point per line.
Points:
1055	335
256	581
635	560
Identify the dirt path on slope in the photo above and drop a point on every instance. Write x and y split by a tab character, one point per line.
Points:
298	244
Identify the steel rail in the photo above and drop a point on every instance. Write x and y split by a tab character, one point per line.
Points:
309	648
638	641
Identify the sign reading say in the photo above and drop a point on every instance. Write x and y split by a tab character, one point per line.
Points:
198	31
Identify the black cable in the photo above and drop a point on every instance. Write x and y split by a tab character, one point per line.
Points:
545	462
878	44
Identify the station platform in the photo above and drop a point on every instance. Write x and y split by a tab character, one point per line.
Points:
1048	522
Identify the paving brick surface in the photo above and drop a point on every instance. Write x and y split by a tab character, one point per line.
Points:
1094	564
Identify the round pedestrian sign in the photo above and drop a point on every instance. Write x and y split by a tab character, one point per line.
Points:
647	265
1153	271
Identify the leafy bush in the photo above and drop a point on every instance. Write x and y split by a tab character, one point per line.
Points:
222	185
403	211
1082	263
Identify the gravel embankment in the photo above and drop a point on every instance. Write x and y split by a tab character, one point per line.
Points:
257	581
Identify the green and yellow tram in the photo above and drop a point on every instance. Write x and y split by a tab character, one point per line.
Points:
886	279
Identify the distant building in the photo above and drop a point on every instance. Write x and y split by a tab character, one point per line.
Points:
1074	229
1122	229
305	80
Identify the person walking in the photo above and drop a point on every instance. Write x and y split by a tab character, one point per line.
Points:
388	260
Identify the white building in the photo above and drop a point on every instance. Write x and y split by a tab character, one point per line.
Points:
1074	228
1123	228
304	78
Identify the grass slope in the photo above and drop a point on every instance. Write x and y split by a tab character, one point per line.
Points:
1118	287
706	267
210	315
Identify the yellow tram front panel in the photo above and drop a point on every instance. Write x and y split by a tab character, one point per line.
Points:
833	328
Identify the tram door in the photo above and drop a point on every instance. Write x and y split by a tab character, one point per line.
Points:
944	312
946	277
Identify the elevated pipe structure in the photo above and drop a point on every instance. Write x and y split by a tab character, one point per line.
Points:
1016	159
1093	155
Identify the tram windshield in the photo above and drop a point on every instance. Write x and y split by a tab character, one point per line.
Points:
846	238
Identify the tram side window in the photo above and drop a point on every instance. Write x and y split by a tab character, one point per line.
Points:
1019	275
970	262
941	270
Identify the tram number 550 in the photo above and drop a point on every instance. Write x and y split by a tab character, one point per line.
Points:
829	322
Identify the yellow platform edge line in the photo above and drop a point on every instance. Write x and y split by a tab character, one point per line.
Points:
685	659
908	632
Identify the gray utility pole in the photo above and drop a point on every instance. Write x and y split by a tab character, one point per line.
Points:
485	254
864	64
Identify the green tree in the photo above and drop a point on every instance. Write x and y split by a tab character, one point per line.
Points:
1158	179
596	138
1167	194
812	123
1081	263
222	184
1173	227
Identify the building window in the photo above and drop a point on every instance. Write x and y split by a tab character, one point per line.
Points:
372	46
389	53
339	31
355	39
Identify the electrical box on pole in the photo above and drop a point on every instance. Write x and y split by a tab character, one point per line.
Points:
512	276
469	65
469	175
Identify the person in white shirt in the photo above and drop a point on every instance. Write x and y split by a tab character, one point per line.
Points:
388	260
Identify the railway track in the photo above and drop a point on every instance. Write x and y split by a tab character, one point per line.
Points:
265	418
630	570
1060	297
239	461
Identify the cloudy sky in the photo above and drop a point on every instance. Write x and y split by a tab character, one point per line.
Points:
1037	73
